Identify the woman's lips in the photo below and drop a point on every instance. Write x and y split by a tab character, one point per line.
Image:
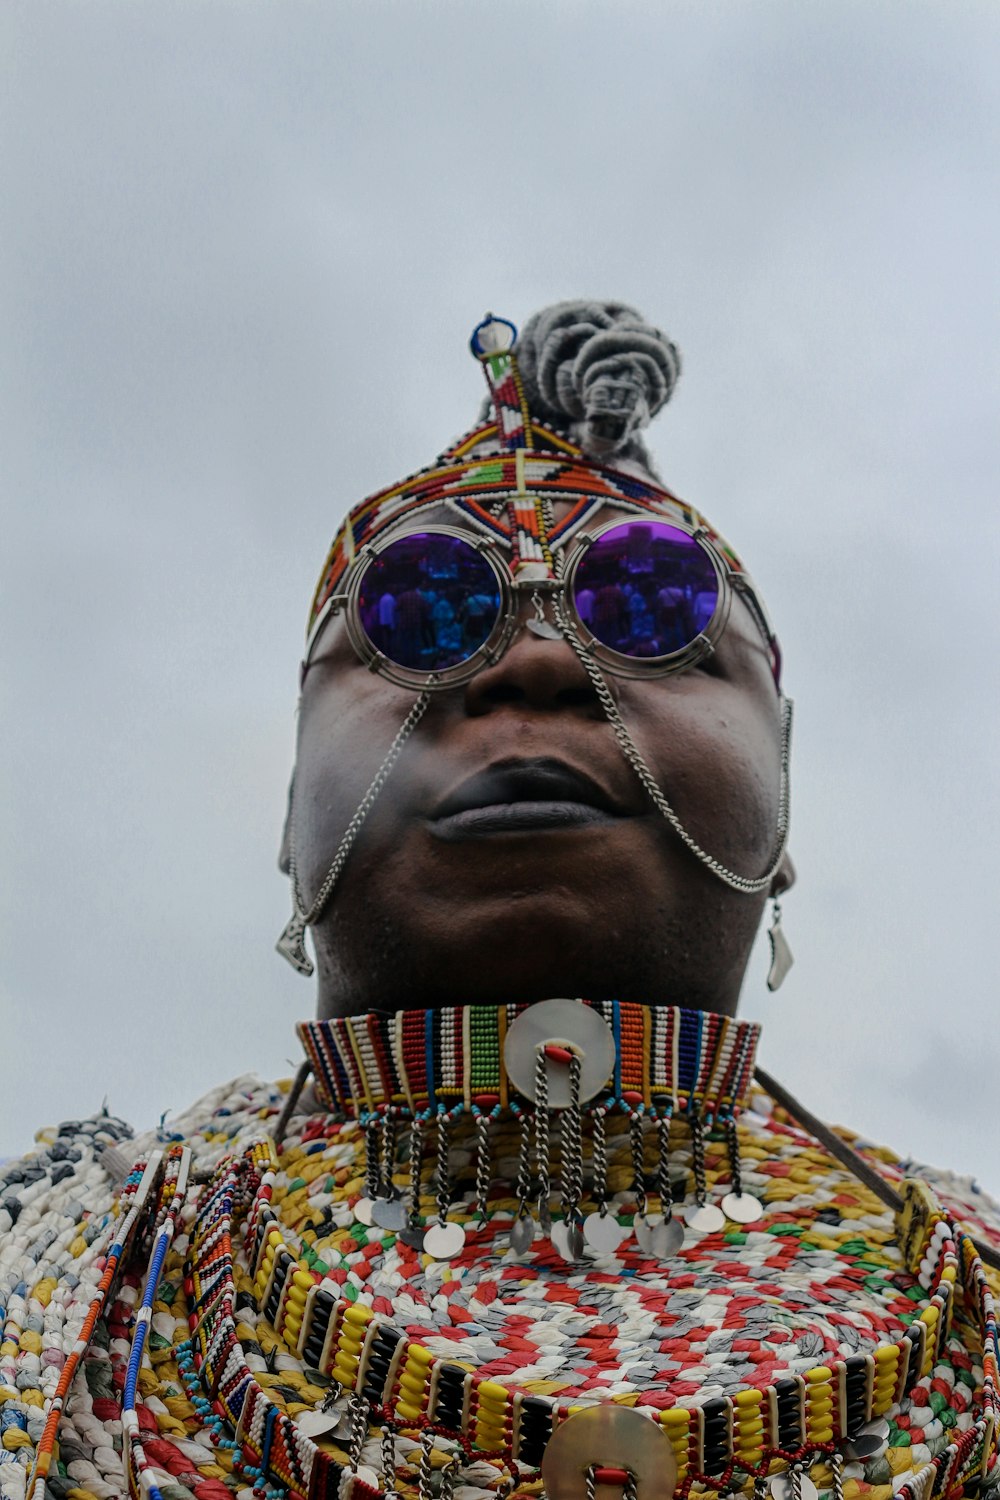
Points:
522	796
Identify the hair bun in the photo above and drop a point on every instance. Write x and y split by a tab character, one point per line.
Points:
600	369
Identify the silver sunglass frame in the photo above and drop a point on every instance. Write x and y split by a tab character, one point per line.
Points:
496	643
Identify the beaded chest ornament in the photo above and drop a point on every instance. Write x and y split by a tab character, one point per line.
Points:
430	607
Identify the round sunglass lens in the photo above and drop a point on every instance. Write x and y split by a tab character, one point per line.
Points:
645	589
428	601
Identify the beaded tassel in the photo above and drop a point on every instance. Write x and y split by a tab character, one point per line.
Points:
705	1217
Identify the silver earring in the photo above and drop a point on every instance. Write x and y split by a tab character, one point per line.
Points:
781	954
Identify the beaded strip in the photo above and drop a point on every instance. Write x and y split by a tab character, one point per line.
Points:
477	485
134	1197
717	1443
668	1060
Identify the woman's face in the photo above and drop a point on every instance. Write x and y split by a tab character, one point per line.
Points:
513	853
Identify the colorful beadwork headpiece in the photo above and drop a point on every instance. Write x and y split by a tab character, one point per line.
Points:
567	401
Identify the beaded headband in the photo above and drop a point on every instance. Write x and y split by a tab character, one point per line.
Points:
500	475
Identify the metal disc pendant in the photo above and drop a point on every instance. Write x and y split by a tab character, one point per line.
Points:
707	1219
568	1240
643	1231
781	1487
603	1233
443	1241
389	1213
742	1208
314	1424
413	1236
522	1234
545	629
562	1022
615	1437
668	1237
363	1212
869	1441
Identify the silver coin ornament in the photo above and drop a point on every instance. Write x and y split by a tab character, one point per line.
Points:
603	1232
522	1234
314	1424
782	1487
611	1436
706	1219
444	1241
389	1213
562	1023
568	1240
643	1231
668	1237
742	1208
363	1212
413	1236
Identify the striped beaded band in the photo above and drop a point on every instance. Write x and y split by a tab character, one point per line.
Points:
667	1060
479	483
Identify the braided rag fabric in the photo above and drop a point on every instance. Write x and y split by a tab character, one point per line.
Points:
819	1277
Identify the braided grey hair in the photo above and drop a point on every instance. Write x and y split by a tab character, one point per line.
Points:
600	370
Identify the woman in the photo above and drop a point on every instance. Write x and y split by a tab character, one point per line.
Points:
501	1231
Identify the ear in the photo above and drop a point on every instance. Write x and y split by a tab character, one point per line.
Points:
784	876
285	852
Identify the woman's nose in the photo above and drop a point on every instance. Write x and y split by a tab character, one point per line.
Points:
539	668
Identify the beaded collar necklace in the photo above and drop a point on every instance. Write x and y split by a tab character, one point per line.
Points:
440	1411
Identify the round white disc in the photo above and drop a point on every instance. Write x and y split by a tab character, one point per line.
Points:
603	1233
522	1234
742	1208
706	1220
668	1237
561	1022
443	1241
363	1212
568	1240
781	1487
389	1213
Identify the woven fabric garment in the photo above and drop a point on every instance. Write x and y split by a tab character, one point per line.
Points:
820	1277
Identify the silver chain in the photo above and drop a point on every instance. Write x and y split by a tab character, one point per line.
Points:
698	1160
416	1168
837	1471
523	1186
442	1176
372	1129
571	1145
600	1140
388	1446
663	1184
638	1163
360	1413
484	1175
542	1131
353	828
746	884
733	1144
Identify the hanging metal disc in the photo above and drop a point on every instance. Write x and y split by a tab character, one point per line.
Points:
603	1232
545	629
668	1237
363	1212
707	1219
522	1234
389	1213
742	1208
568	1240
612	1437
444	1241
565	1023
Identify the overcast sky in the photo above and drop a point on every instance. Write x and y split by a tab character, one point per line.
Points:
242	248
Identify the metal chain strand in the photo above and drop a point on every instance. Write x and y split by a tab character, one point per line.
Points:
698	1160
372	1134
484	1174
746	884
571	1145
388	1447
389	1124
523	1186
416	1168
600	1173
591	1484
425	1469
360	1412
353	828
733	1147
442	1175
631	1490
542	1131
638	1163
664	1186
